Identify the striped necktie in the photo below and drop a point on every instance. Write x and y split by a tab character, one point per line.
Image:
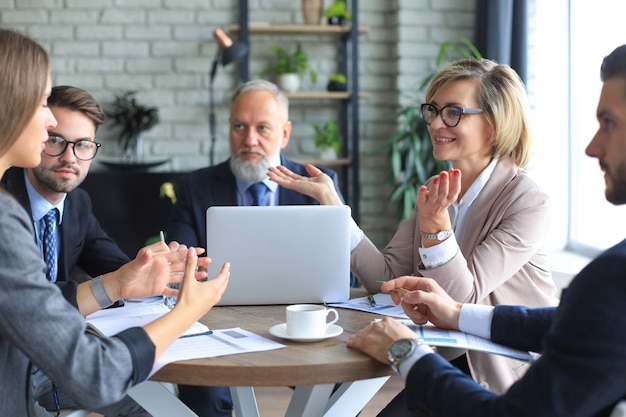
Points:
50	244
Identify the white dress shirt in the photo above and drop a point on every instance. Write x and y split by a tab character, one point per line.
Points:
474	319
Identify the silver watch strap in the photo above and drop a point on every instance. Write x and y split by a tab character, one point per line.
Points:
99	293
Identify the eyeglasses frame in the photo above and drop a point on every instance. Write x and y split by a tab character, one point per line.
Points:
68	142
439	112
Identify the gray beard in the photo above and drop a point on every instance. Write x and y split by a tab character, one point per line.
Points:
249	171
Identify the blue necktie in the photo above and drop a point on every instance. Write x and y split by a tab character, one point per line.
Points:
50	244
258	190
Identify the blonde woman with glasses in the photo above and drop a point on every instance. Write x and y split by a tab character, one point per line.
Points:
477	229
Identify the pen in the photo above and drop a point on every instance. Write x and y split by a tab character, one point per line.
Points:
162	235
371	300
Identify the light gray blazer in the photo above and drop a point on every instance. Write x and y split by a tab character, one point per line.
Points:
39	327
501	259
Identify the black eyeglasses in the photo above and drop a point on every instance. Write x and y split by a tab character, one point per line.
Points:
450	115
84	149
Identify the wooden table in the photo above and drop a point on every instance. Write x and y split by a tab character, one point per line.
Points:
312	368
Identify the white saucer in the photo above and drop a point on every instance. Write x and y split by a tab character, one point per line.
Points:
280	330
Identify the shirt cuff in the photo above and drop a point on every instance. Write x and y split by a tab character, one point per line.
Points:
356	235
406	365
476	319
439	254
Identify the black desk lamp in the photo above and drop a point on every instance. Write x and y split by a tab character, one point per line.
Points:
227	52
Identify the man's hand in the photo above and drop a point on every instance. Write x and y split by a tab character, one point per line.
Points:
375	339
153	268
425	301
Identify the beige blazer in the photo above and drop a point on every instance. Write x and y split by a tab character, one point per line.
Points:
501	259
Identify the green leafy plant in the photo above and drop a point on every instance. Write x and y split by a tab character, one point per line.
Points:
327	136
337	82
337	78
339	10
410	149
131	117
290	63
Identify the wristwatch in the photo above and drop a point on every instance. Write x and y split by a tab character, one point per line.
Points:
400	350
440	236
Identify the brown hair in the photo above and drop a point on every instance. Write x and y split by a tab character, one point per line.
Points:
502	96
74	98
24	69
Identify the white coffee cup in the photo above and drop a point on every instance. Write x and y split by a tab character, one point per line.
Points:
309	320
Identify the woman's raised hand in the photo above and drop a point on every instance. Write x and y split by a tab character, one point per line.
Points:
318	186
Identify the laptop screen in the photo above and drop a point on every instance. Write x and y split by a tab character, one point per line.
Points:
281	254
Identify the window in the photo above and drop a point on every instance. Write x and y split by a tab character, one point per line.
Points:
570	40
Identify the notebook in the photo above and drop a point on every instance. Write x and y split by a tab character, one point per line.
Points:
281	254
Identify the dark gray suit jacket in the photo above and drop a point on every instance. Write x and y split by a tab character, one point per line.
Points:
582	368
216	186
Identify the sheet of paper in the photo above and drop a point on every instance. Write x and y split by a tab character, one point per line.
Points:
194	344
219	343
435	336
384	306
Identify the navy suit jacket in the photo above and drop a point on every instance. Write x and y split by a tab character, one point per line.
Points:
83	242
582	368
216	186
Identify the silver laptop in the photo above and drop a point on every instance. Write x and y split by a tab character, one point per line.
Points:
281	254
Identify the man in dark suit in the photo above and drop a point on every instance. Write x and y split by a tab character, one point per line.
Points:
582	367
259	130
81	242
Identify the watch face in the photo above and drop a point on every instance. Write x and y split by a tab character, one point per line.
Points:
401	348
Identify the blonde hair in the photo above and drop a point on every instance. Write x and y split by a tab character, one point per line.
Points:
24	69
502	96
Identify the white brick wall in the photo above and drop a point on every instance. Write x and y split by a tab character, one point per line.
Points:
164	49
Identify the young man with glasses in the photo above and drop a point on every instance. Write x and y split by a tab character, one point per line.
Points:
79	239
65	162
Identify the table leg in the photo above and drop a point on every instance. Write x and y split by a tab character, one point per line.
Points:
309	400
351	397
244	401
159	401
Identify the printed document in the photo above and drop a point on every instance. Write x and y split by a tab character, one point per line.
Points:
383	305
197	342
435	336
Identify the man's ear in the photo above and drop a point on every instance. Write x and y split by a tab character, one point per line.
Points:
286	134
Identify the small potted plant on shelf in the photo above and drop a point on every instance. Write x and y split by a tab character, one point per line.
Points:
132	119
337	82
327	139
289	68
337	13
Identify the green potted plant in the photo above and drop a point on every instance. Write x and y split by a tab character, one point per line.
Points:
327	139
410	150
289	68
337	13
131	118
337	82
